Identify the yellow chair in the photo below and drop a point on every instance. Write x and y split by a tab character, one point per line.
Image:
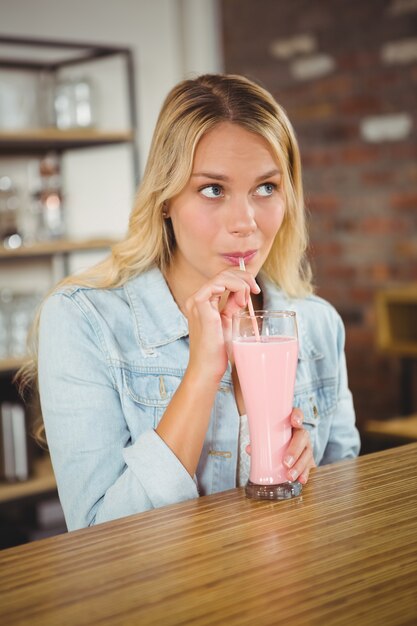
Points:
396	335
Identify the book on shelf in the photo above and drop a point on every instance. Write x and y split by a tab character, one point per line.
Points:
14	461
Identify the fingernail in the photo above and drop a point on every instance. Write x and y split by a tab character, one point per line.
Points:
289	460
293	474
257	289
298	420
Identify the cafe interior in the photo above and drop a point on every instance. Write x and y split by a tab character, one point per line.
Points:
81	86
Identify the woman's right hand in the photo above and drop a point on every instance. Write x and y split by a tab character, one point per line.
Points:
209	312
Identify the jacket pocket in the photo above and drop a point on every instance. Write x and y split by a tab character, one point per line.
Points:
150	389
150	393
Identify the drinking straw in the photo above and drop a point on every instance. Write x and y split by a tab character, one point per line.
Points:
250	305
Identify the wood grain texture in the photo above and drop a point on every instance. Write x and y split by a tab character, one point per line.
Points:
402	427
42	139
343	553
42	480
55	246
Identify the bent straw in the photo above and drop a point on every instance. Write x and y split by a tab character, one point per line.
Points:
250	305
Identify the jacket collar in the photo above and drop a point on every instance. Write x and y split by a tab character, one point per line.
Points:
157	318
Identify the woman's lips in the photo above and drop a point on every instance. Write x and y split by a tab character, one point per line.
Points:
233	257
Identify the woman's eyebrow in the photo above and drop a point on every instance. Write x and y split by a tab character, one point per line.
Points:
214	176
269	174
210	175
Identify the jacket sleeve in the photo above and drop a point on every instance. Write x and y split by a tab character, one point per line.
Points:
101	474
344	440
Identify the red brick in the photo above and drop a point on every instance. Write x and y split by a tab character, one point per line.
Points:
359	336
317	157
407	249
371	202
404	201
358	60
410	173
378	178
327	248
361	295
331	293
383	225
369	317
412	274
318	111
380	272
335	85
346	224
406	151
330	270
360	105
355	155
322	203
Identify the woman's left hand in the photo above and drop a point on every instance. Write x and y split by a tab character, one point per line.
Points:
299	456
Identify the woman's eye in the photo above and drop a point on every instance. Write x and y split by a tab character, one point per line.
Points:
212	191
266	189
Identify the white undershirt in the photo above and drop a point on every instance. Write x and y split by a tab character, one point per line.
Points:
243	458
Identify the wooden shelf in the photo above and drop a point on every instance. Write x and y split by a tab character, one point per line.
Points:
56	246
42	481
11	364
39	140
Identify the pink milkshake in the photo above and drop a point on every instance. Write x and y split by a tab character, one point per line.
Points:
266	368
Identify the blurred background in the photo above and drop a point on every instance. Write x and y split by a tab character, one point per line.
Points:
76	119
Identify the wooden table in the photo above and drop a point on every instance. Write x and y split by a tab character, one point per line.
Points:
345	552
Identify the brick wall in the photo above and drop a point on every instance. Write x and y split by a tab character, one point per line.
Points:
346	72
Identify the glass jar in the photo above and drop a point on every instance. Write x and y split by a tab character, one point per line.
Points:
10	236
73	104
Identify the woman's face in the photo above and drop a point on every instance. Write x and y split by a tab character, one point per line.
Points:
232	206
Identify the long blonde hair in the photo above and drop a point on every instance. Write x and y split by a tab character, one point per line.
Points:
191	109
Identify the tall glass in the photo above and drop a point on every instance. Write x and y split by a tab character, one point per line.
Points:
265	348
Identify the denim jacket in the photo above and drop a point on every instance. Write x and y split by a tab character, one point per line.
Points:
109	364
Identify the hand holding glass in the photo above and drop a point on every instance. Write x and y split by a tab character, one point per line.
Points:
266	365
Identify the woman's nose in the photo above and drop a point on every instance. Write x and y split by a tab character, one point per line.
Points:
241	218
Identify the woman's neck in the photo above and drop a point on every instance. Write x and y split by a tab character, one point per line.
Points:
181	289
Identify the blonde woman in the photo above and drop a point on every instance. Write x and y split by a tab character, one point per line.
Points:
141	405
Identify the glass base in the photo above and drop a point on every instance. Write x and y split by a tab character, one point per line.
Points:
284	491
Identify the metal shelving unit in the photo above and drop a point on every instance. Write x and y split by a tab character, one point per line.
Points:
19	54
